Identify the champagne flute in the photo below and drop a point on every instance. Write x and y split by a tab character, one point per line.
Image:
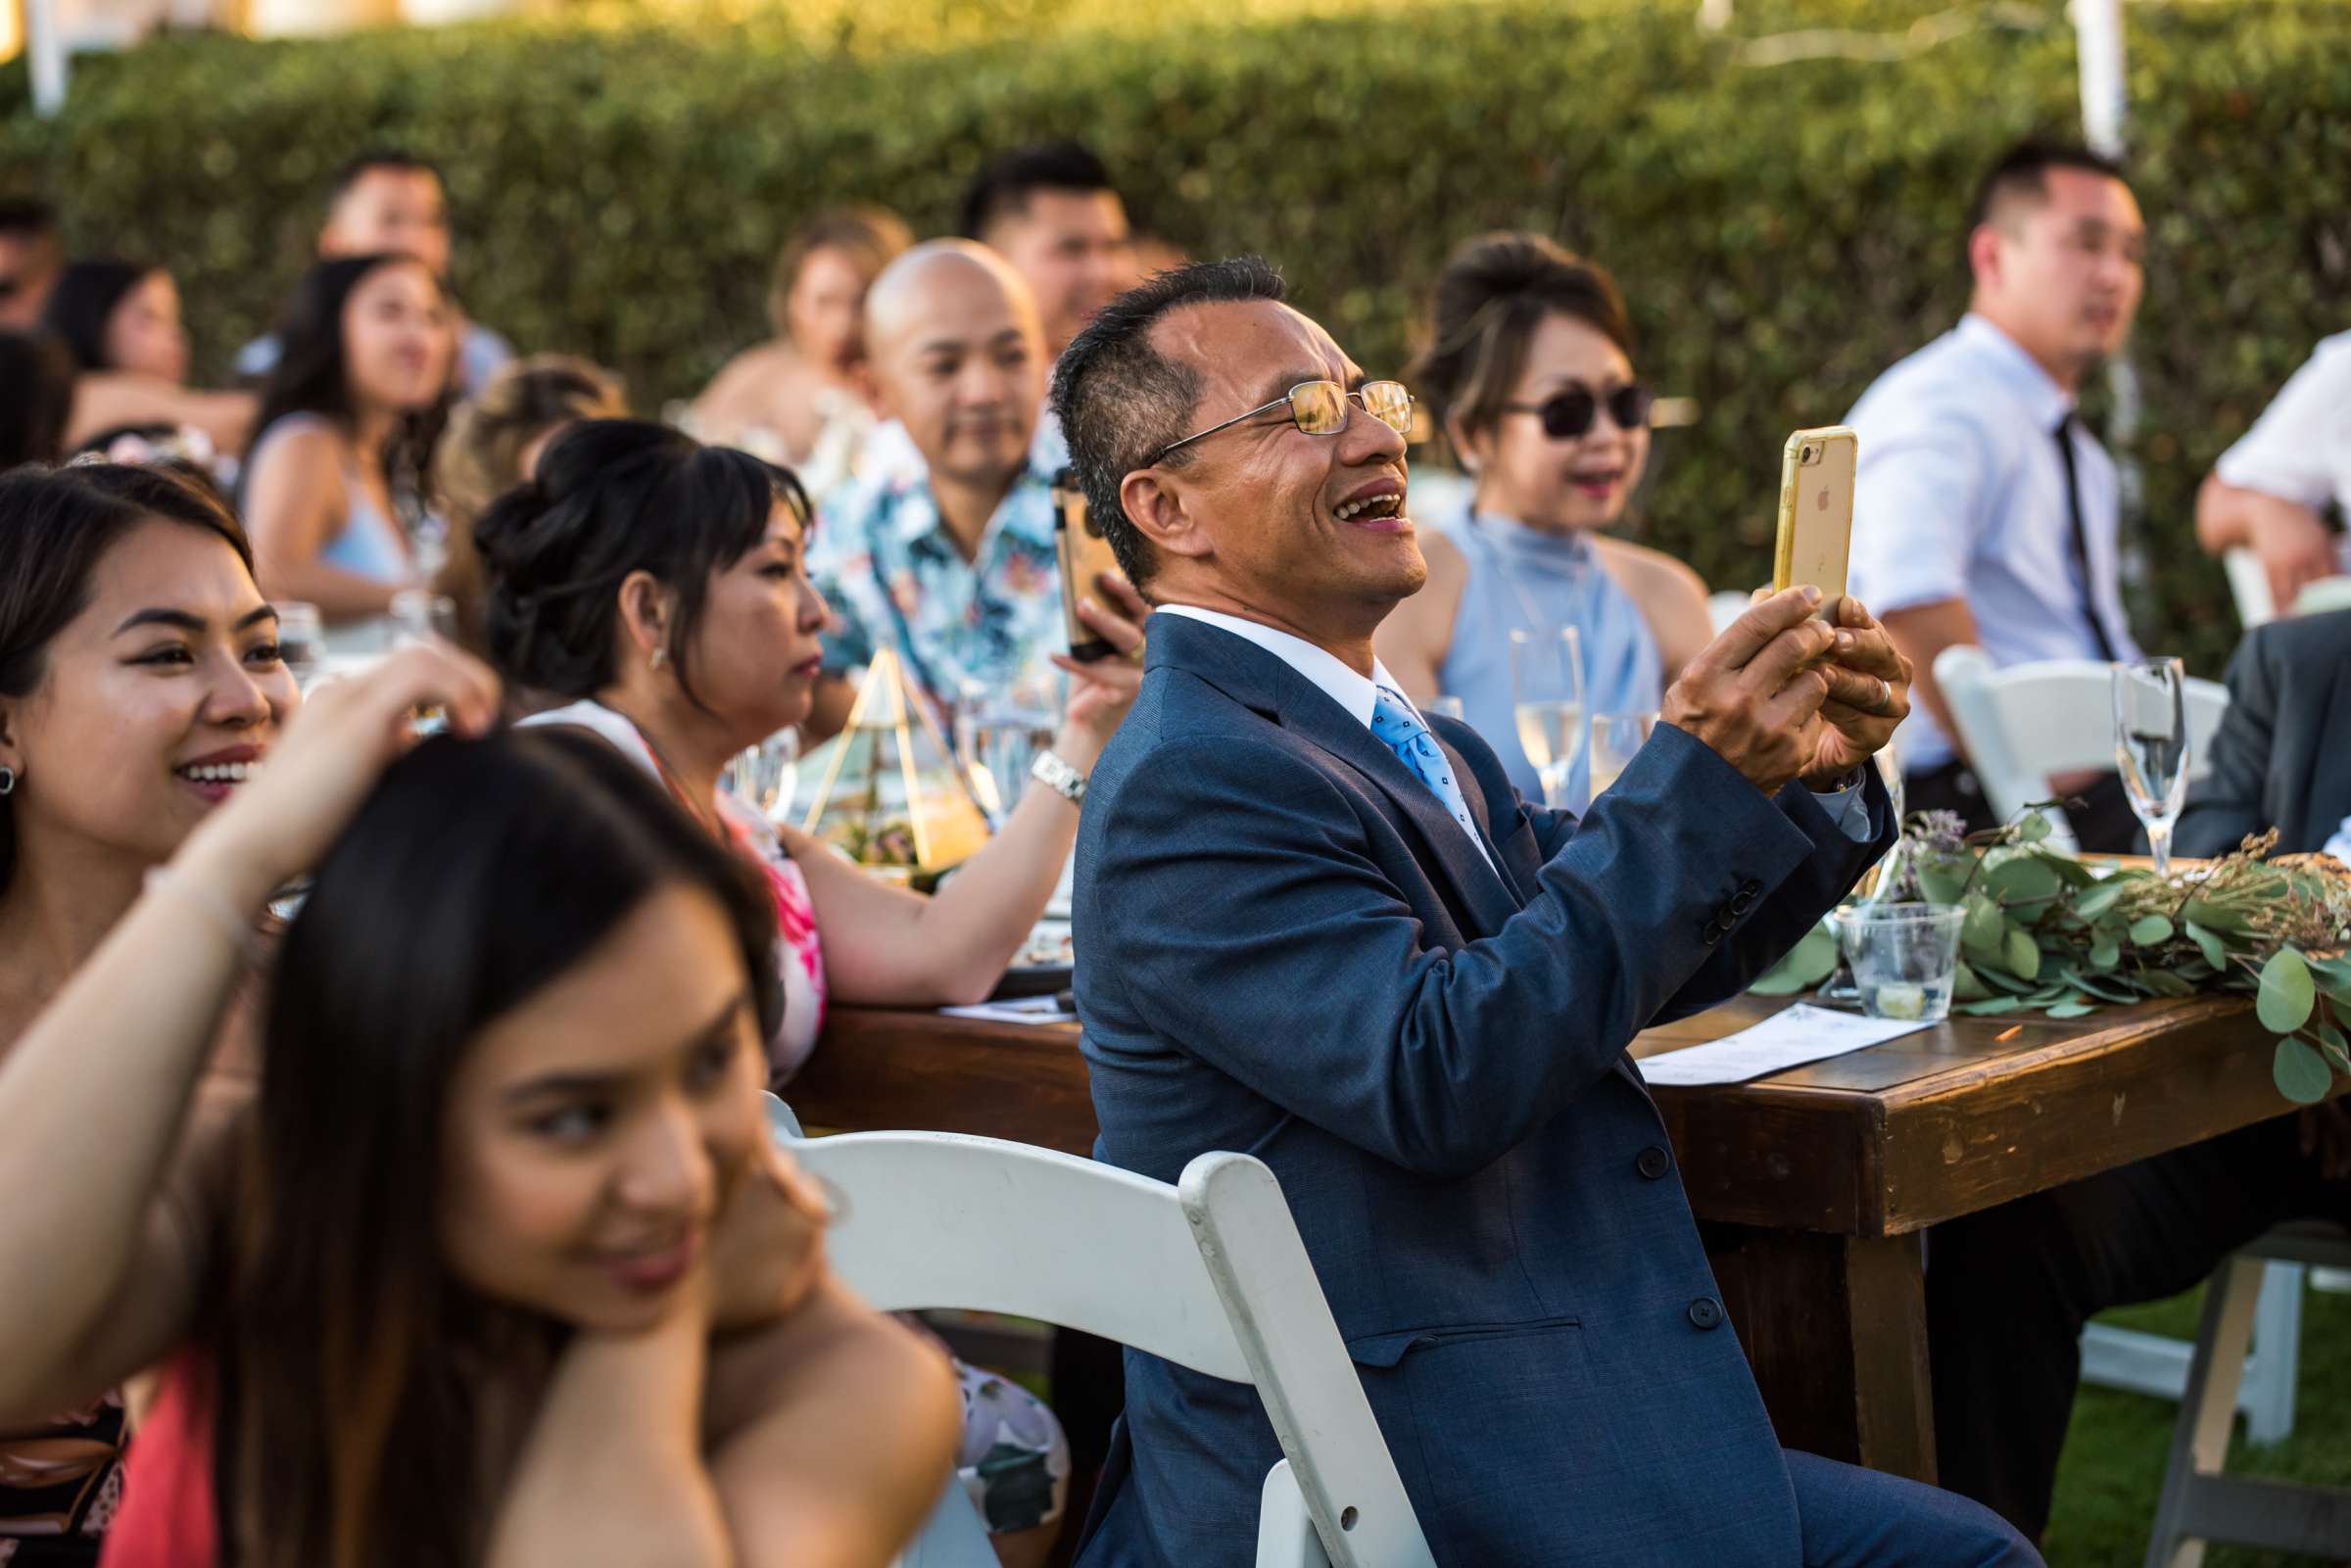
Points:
1547	691
1615	739
2150	746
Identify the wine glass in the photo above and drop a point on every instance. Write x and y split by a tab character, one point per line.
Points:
1615	738
998	733
2150	746
764	776
301	641
1547	693
1448	705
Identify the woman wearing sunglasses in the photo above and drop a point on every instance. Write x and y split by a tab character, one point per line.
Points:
1529	370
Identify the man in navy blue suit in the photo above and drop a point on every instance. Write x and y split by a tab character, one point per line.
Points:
1322	930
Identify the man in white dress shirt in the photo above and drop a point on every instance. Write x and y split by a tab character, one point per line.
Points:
2270	490
1986	512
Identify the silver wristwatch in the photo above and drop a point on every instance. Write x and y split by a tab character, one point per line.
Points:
1058	776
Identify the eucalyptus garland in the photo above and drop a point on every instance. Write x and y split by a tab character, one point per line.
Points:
2048	933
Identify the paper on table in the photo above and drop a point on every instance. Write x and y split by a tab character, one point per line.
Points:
1787	1039
1028	1009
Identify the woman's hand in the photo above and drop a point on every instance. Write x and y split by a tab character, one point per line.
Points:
1103	690
767	1246
310	785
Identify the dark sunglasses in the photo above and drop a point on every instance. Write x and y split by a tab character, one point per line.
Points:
1571	413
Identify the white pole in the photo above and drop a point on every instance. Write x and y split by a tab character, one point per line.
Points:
45	47
2099	45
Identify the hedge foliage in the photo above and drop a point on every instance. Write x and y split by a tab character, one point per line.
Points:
1784	230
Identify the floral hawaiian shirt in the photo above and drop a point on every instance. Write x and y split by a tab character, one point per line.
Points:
884	561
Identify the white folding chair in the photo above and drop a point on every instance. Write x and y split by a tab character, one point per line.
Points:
2249	586
2199	1504
1209	1273
2022	723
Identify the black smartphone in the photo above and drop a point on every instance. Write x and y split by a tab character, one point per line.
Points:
1084	556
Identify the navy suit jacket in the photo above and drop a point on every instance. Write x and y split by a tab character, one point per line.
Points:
1292	950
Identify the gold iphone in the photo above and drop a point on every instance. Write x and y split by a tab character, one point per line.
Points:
1816	513
1085	555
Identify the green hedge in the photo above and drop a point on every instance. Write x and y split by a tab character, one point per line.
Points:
1784	231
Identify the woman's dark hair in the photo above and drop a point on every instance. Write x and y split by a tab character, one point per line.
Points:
84	301
614	496
36	398
1492	294
58	525
313	374
347	1406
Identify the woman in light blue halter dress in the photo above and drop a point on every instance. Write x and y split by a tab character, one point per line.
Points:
1530	371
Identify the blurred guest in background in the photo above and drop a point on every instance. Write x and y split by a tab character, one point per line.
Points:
121	321
804	399
2270	491
334	488
140	682
31	255
2282	756
1051	210
1530	371
36	396
1986	512
390	200
492	444
953	564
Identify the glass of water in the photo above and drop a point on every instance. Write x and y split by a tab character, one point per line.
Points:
998	733
301	641
1904	957
2150	746
1547	693
1616	737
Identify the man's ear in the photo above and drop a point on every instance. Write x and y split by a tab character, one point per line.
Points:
1159	504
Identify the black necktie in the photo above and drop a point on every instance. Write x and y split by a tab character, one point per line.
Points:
2073	503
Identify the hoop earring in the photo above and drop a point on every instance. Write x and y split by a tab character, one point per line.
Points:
8	781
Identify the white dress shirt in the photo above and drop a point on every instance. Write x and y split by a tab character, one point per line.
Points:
2300	448
2339	847
1357	693
1961	495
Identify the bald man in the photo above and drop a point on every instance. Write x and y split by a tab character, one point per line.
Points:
949	560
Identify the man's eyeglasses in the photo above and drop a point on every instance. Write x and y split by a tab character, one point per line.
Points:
1571	413
1321	408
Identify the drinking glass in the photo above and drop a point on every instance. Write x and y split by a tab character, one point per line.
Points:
1547	693
2150	746
419	613
1615	738
1905	957
764	776
301	641
1449	706
998	733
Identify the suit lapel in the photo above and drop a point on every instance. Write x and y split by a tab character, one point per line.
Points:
2327	791
1259	679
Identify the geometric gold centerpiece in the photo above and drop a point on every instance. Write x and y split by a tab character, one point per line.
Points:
892	795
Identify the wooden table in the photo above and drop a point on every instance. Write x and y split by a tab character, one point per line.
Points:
1815	1185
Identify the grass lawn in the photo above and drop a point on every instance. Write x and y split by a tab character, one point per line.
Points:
2116	1448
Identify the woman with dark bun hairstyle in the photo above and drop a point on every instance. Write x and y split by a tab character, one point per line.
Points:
1529	370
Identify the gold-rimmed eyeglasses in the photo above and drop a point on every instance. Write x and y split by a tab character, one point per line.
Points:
1323	409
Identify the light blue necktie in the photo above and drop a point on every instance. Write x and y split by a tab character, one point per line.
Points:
1401	730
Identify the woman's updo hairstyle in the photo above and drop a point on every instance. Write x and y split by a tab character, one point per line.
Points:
613	497
1492	294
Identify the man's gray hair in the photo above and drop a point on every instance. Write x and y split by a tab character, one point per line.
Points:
1119	402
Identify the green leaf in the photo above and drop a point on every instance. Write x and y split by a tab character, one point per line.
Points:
1942	884
2301	1074
2150	929
2215	951
2214	917
1984	929
2023	953
2070	871
2033	829
2333	977
2287	994
1992	1005
2338	1052
2162	982
1804	966
2072	1010
2104	953
2026	880
2105	989
1967	986
2099	899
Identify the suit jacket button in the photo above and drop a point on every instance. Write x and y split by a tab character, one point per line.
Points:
1713	932
1705	1313
1652	1163
1744	901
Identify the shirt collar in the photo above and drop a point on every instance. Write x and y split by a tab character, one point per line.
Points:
2044	402
1026	512
1352	691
